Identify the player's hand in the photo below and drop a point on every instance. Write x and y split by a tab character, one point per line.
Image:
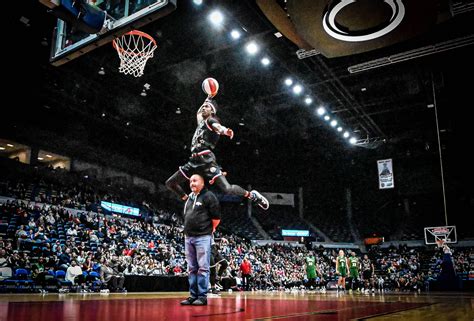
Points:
230	133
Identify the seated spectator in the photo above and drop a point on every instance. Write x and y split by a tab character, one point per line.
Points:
71	231
111	277
31	223
93	237
38	273
73	273
21	235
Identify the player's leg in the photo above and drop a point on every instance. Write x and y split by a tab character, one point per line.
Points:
213	272
253	195
174	183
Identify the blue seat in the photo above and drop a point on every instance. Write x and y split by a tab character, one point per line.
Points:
96	283
94	274
60	276
21	274
19	281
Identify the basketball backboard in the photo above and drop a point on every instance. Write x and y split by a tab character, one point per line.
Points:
445	233
121	16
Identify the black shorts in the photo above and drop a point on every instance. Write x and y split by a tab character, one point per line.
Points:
367	274
204	165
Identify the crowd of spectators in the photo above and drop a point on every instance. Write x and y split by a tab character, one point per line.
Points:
50	238
45	236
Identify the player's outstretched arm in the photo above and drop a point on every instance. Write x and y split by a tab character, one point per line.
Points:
222	130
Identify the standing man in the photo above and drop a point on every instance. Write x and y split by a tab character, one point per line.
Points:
201	217
311	268
203	161
246	270
341	270
354	267
368	273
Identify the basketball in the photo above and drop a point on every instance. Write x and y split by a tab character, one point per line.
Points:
210	86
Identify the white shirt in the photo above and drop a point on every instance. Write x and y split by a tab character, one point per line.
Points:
72	272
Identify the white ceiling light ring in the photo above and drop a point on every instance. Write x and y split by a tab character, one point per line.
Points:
331	28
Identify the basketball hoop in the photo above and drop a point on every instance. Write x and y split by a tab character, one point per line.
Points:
134	49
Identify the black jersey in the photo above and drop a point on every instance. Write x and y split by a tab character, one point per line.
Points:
366	265
205	137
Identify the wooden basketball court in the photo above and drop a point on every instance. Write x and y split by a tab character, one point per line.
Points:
238	306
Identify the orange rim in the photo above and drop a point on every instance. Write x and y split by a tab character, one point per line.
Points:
133	33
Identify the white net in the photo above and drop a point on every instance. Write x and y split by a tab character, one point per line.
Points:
134	49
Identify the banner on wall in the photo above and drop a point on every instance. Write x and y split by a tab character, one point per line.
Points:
280	198
385	170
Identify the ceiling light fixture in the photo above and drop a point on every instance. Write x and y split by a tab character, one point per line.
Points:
321	111
235	34
252	48
216	18
297	89
265	61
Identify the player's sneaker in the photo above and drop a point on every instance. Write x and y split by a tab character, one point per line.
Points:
259	199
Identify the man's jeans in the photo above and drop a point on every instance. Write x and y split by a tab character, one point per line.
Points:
198	257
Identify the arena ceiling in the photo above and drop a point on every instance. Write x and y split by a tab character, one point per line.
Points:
383	91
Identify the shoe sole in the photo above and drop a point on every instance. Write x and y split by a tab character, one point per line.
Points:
265	202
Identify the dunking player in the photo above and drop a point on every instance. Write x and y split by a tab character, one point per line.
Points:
203	161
